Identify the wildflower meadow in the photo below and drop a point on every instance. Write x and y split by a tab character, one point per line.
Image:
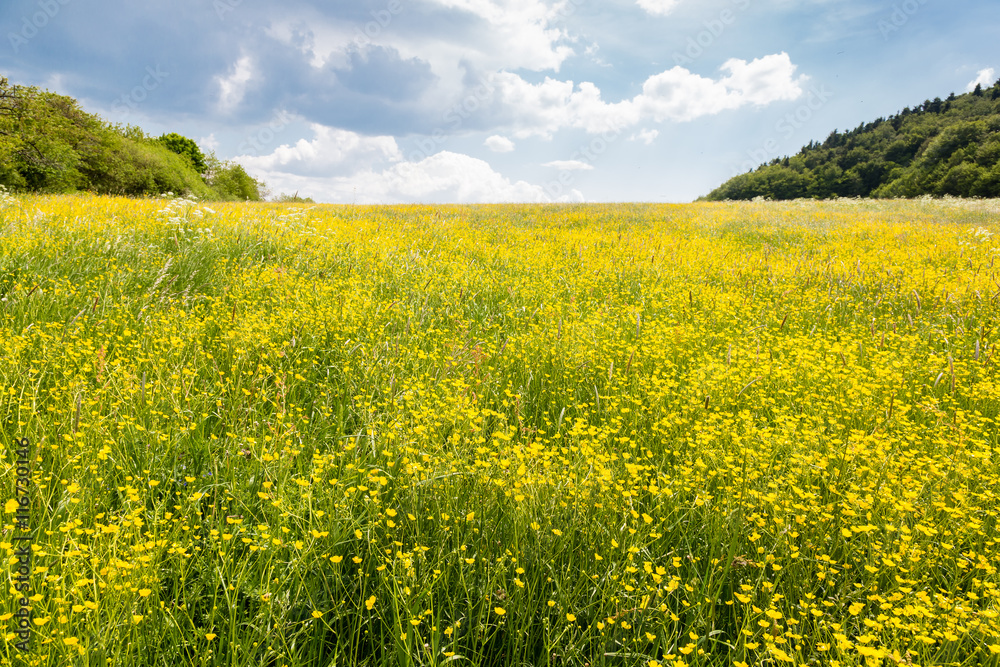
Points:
751	433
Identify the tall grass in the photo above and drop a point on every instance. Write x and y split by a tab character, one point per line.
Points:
509	435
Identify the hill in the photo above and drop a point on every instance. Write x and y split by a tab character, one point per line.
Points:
49	144
941	147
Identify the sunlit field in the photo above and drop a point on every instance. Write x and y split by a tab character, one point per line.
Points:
705	434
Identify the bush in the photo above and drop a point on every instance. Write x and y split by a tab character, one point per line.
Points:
293	199
231	182
49	144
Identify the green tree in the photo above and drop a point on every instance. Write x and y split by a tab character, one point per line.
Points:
186	147
231	182
939	147
49	144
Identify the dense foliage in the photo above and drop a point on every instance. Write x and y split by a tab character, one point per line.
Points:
942	147
48	144
620	435
186	147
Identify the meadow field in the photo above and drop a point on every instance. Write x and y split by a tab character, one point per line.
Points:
707	434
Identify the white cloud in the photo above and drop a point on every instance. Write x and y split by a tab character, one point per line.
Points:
983	78
454	177
658	7
499	144
520	34
233	86
673	95
679	95
209	142
647	136
569	165
763	80
344	167
542	109
492	35
332	151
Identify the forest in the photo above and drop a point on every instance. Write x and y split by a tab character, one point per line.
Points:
940	147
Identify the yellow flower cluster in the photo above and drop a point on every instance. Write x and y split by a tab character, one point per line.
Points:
738	433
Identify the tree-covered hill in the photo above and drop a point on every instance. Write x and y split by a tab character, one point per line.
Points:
942	147
49	144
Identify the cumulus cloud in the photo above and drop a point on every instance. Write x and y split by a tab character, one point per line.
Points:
676	94
332	151
569	165
499	144
233	86
520	34
544	108
658	7
983	78
344	167
646	136
209	142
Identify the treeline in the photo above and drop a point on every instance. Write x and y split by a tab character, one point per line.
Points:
941	147
49	144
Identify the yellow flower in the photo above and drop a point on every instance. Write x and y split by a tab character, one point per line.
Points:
71	641
317	614
144	592
856	608
500	611
370	602
571	618
336	559
210	636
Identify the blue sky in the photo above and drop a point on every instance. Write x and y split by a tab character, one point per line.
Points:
385	101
